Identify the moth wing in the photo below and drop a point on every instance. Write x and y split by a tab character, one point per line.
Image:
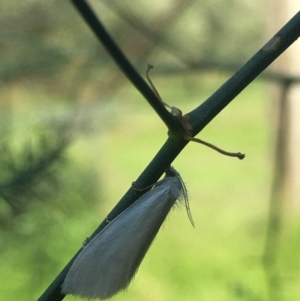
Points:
111	259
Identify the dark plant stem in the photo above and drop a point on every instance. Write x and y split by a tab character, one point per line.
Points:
116	53
202	115
199	117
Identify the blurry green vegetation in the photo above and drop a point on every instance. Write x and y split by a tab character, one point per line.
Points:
53	72
49	40
221	259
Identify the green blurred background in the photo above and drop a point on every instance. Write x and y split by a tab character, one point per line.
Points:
59	87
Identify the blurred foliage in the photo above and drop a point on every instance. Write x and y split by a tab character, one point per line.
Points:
42	199
50	41
53	72
23	174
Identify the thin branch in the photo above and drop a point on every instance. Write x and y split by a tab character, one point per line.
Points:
124	64
154	33
184	120
200	117
158	39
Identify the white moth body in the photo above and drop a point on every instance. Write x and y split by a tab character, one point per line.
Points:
110	260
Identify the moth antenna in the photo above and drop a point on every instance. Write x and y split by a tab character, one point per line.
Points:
171	171
186	201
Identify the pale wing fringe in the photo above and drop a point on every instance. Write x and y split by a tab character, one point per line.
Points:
110	260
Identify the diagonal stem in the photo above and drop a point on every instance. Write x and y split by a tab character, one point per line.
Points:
121	60
199	117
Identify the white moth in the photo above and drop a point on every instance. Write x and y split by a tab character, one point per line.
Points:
108	263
